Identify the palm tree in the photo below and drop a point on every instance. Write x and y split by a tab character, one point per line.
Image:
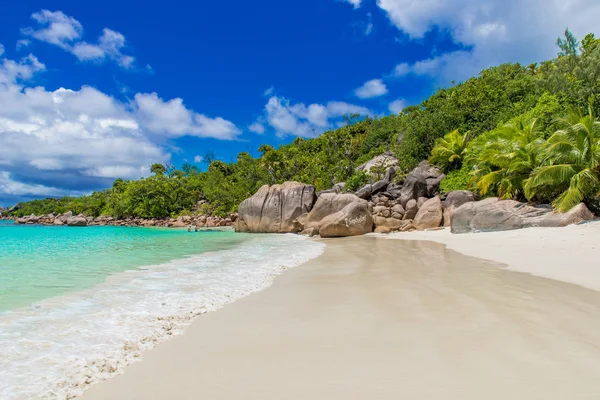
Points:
572	165
449	151
506	157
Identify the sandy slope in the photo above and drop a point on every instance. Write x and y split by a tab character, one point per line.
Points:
387	319
570	254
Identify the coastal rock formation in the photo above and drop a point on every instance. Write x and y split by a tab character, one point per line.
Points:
430	215
330	203
274	209
411	209
189	221
391	224
494	214
384	163
576	215
454	200
337	188
352	220
77	221
423	181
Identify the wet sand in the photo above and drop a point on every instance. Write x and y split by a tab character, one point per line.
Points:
374	318
570	254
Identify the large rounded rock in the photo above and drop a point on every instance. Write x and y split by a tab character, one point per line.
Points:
576	215
274	209
430	215
77	221
500	215
353	220
330	203
454	200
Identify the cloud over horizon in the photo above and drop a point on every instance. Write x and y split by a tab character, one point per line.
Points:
69	142
288	119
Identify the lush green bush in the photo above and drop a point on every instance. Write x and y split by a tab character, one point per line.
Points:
508	95
456	180
358	180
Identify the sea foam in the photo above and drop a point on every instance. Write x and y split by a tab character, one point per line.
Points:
62	345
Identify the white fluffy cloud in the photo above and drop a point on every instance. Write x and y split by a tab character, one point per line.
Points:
56	28
198	159
370	89
173	118
68	141
306	121
397	106
66	32
493	31
257	127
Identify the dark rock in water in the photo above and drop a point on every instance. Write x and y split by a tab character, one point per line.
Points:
353	220
494	214
379	186
454	200
274	209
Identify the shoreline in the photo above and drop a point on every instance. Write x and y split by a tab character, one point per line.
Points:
361	322
567	254
65	343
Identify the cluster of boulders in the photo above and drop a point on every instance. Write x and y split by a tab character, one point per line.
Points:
386	206
382	206
68	219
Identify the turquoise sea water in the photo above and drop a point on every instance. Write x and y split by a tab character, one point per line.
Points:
77	305
38	262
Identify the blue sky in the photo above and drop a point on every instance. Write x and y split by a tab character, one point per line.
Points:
92	91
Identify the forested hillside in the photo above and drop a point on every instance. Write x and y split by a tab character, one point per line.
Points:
525	132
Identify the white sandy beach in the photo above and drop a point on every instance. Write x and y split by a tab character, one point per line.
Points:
570	254
375	318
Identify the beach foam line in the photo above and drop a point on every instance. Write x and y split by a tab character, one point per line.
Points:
62	345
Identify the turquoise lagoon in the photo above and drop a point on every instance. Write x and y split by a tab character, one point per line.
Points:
38	262
77	305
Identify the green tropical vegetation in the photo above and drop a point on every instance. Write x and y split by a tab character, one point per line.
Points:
514	131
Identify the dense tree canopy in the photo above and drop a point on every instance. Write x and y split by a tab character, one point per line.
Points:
499	133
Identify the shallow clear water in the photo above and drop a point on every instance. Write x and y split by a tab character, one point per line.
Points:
37	262
80	304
